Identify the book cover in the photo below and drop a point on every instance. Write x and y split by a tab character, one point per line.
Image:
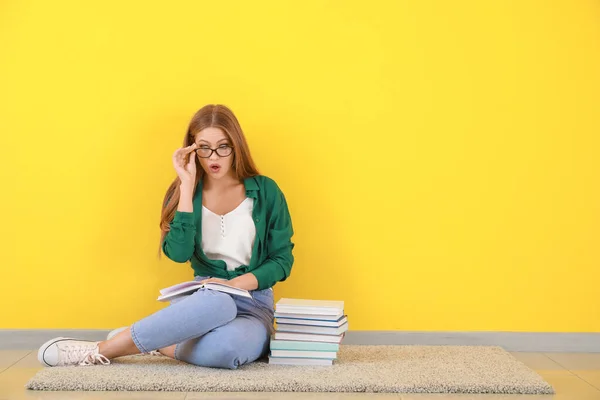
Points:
304	354
321	330
315	317
309	306
278	344
299	361
308	337
312	322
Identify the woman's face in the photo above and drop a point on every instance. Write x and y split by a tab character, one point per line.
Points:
216	166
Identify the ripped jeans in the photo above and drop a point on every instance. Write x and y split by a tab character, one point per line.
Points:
211	328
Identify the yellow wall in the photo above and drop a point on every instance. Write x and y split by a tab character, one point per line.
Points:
440	158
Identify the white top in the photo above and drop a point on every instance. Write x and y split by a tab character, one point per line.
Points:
229	237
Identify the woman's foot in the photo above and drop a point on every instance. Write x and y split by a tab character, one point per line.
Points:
62	351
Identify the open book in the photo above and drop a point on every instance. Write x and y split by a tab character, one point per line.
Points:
186	288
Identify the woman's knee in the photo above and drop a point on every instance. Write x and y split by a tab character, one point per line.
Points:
221	305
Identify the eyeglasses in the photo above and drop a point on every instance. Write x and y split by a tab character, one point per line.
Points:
206	152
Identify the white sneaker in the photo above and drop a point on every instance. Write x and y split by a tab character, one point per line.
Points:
62	351
115	332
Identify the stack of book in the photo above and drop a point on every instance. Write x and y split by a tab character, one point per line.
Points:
307	332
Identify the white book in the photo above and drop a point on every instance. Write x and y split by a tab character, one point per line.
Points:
185	288
303	346
316	317
317	311
308	306
299	361
312	322
319	330
304	354
308	337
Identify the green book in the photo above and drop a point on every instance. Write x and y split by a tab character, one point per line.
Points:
298	345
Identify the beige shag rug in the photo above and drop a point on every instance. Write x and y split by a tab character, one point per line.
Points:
397	369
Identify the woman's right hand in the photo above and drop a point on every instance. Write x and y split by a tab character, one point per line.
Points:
184	161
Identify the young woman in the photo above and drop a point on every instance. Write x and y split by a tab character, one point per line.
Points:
234	226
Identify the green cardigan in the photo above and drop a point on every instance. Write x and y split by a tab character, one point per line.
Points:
271	259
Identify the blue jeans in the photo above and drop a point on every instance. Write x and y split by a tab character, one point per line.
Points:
211	328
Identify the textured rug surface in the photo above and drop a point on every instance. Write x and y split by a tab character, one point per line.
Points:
399	369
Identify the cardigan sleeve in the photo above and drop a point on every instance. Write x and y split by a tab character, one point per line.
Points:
179	240
278	264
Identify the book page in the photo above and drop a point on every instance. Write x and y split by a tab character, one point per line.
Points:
179	286
228	289
218	285
187	287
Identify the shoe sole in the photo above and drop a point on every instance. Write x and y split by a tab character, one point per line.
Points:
45	346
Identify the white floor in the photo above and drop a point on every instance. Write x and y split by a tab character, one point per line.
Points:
575	376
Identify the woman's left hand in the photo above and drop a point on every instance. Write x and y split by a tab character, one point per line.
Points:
218	280
245	282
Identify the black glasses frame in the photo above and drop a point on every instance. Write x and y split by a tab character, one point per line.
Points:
228	148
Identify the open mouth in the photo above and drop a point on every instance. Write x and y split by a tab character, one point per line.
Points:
215	168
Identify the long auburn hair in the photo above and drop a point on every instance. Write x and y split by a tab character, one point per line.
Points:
216	116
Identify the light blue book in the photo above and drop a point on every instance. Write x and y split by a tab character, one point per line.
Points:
323	355
307	346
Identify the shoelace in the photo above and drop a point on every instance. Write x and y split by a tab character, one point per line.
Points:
96	358
83	356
